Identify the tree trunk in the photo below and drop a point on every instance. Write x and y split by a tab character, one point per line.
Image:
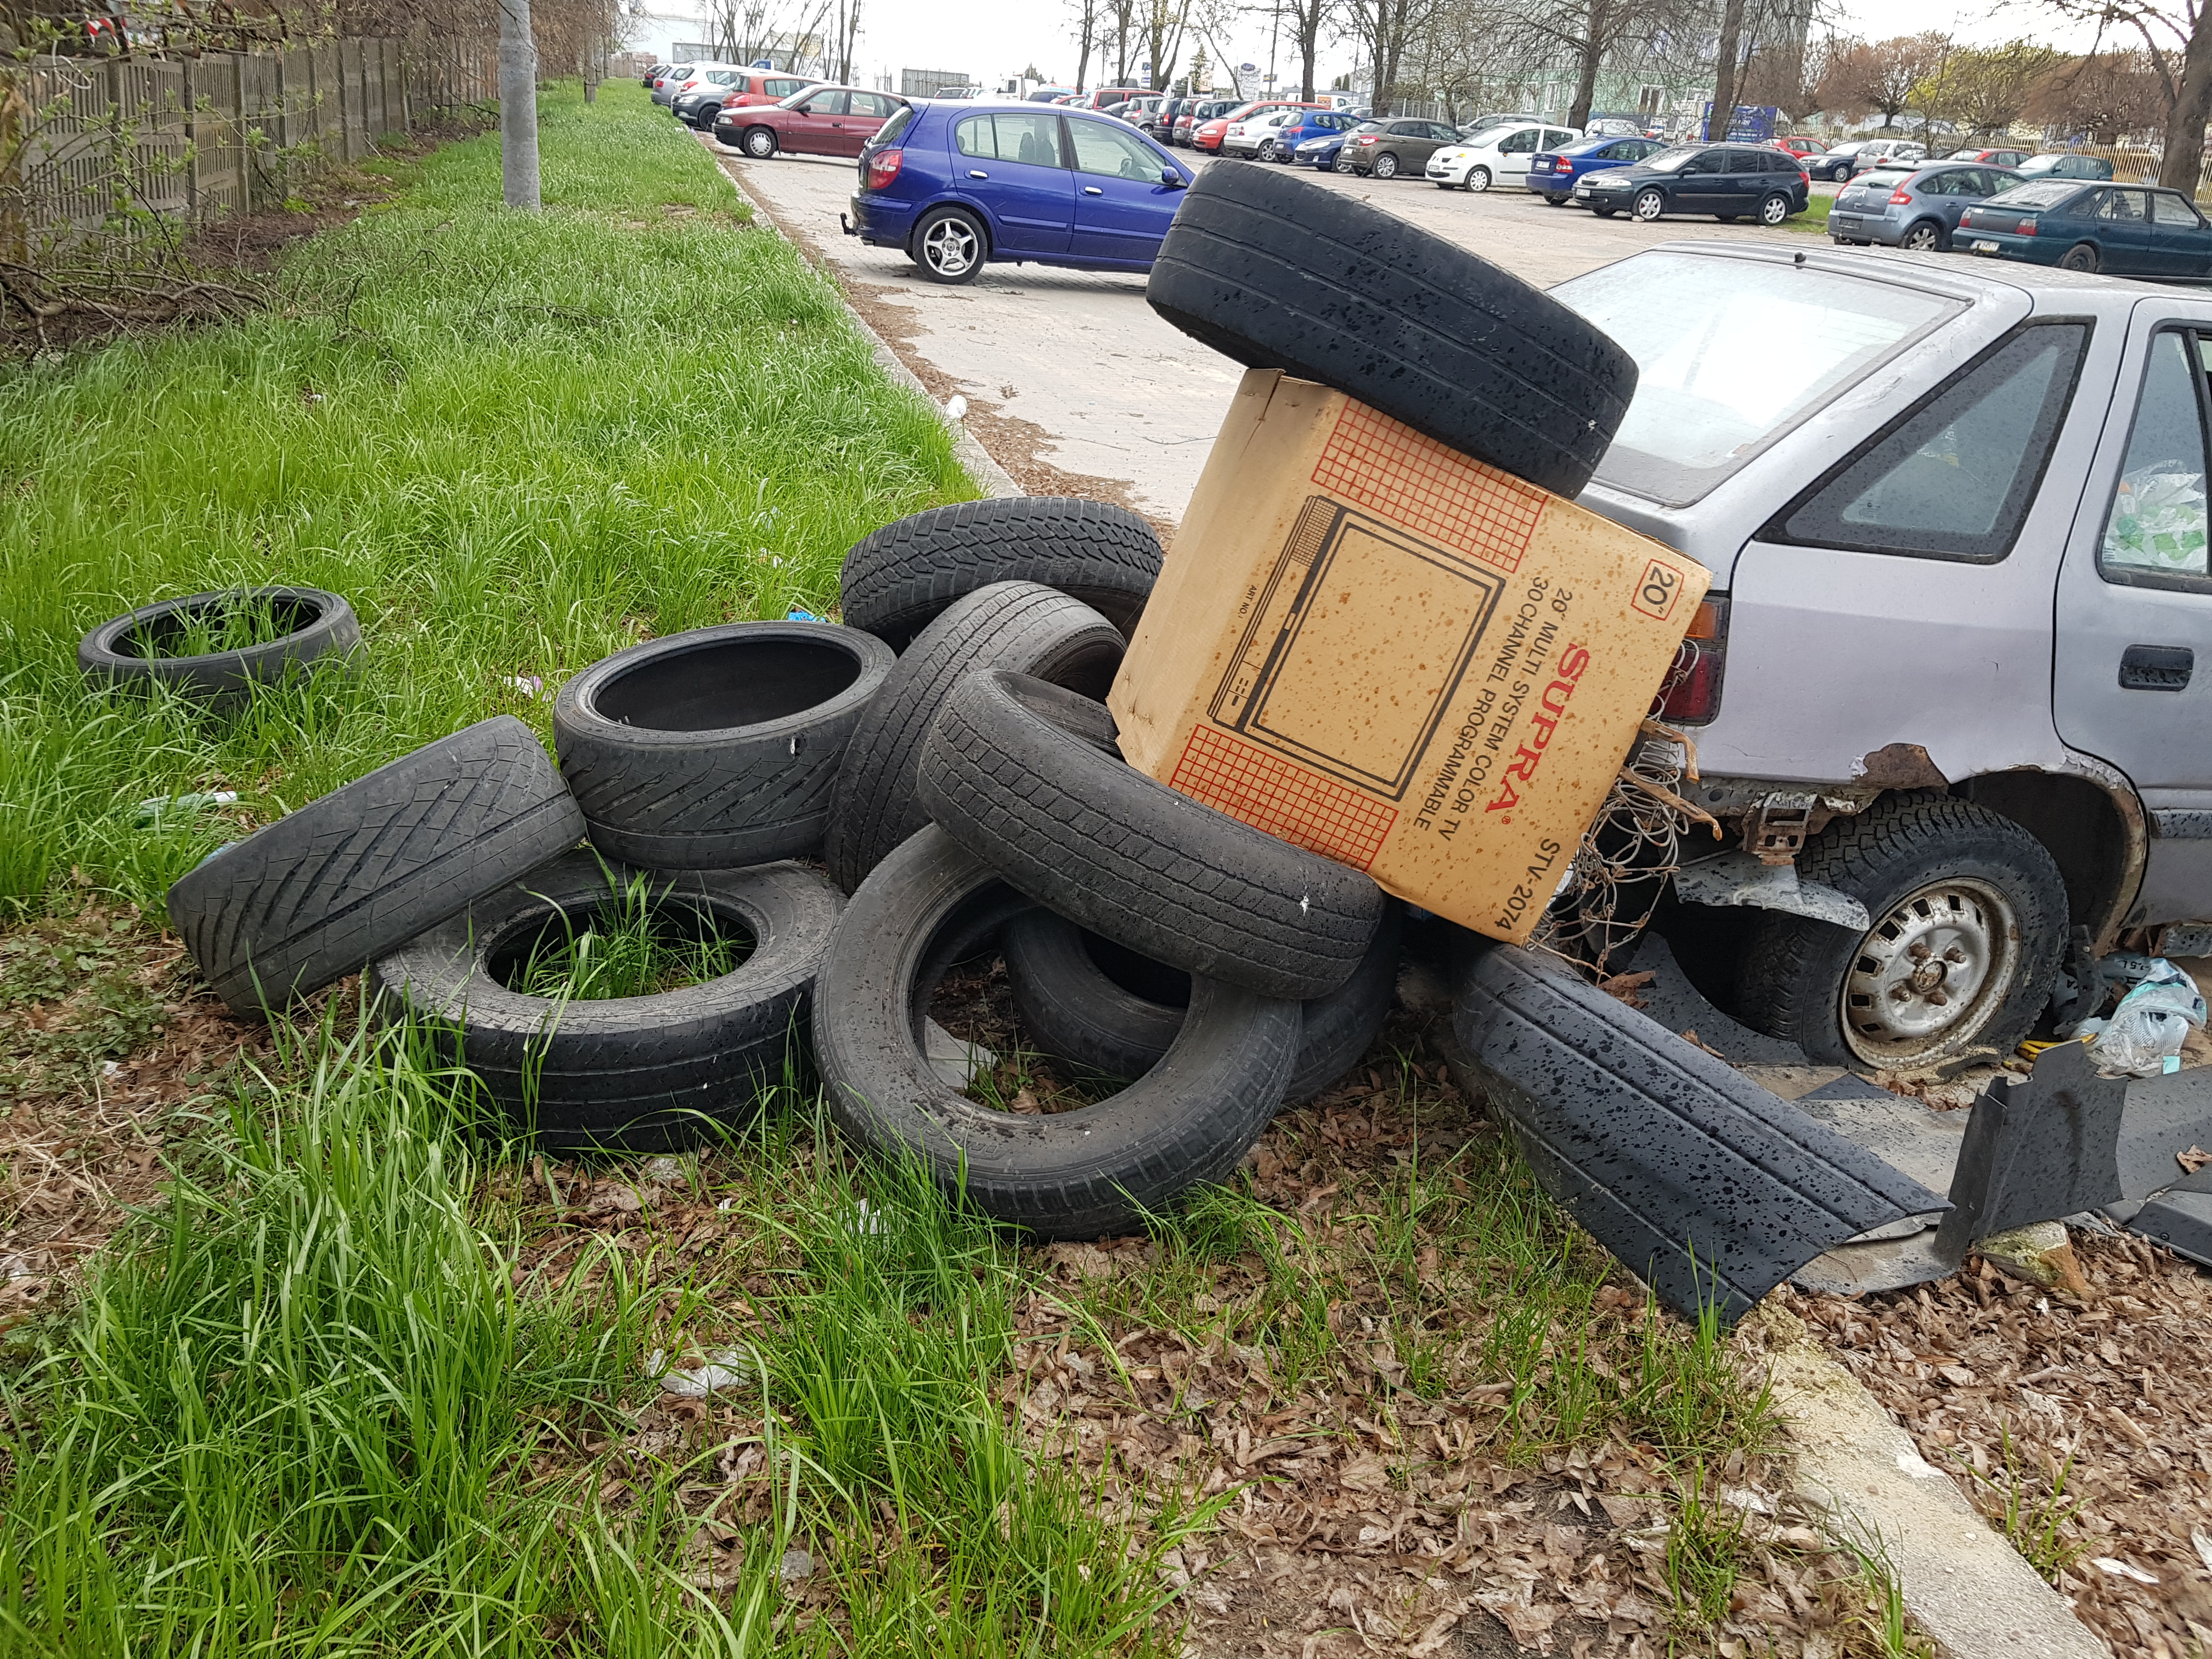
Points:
2185	125
1586	77
1723	115
518	105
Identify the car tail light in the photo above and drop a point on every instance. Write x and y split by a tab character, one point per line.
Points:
1900	198
1804	177
1368	140
1691	695
883	167
1563	165
2025	227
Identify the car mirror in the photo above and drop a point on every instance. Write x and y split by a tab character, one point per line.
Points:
1173	179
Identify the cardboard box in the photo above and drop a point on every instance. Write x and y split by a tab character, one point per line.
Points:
1377	648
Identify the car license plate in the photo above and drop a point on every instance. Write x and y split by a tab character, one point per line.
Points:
1985	247
1848	221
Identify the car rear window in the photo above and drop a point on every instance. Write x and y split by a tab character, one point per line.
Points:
2046	194
1884	177
1711	390
901	120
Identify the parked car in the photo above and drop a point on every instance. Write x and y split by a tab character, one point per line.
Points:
2020	515
664	86
956	186
1804	149
1304	124
1050	95
1859	155
820	121
1323	151
757	87
1915	208
2065	165
2125	230
1098	98
1552	174
1143	113
1207	135
1169	111
2002	158
1729	181
1383	149
1198	113
1495	156
655	74
705	81
1257	136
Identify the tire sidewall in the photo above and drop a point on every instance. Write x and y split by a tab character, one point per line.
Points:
1478	180
1657	210
1774	210
921	257
758	142
335	632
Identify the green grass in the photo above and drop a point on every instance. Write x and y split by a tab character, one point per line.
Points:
515	443
636	944
1814	220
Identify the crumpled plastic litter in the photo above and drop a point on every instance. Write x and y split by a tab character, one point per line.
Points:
2159	520
159	810
728	1367
2144	1037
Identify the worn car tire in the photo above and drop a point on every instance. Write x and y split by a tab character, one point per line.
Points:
643	1074
1080	1173
1280	274
759	142
1022	626
325	889
322	627
1794	976
718	748
1108	1011
897	580
1015	771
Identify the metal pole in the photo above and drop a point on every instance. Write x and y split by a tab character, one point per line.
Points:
518	105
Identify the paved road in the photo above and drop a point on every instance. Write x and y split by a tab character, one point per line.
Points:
1072	384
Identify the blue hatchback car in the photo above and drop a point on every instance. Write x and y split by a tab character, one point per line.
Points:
1322	149
957	185
1552	172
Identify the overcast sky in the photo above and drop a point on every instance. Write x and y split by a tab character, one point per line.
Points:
992	40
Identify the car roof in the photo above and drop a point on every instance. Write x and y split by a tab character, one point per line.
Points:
2046	287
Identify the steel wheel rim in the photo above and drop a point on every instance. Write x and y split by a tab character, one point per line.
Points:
1931	973
1651	204
949	247
758	144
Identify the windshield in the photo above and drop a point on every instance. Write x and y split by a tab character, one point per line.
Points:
1669	160
1712	391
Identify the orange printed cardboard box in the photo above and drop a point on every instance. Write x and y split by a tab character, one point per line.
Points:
1375	648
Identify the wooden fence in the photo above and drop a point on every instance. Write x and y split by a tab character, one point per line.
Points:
190	138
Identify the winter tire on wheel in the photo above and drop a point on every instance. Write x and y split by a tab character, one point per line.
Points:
1278	274
1077	1174
717	748
1649	206
1774	209
949	246
643	1073
1023	775
325	889
897	580
1111	1012
132	650
1969	917
1017	625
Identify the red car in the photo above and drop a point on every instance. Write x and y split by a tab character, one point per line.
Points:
1106	95
1801	148
764	87
1206	135
2002	158
819	121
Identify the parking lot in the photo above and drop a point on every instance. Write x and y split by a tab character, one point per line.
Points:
1072	383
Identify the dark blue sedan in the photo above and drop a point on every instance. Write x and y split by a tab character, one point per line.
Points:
2125	230
1552	172
957	187
1323	151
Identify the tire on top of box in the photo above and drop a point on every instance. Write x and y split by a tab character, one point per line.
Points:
1021	774
1279	273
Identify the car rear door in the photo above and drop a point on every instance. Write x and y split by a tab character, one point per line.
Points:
1515	150
1701	184
2180	240
816	127
2123	229
2133	665
865	113
1122	205
1009	162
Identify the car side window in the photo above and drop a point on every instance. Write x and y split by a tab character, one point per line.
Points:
2155	528
826	103
1554	137
2167	208
1954	477
2126	207
1034	139
1100	149
782	88
871	103
1522	143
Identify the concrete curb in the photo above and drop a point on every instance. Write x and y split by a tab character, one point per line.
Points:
1962	1582
995	479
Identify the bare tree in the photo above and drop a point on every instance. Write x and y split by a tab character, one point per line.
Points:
1389	30
1988	87
1164	23
1882	76
1120	16
1087	37
2176	38
1308	20
2105	94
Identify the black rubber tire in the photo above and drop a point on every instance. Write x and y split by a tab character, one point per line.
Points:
1108	1011
1079	1174
895	581
1279	273
932	270
718	748
758	142
1792	979
1010	774
1386	166
1022	626
1769	214
2081	256
328	888
324	628
639	1073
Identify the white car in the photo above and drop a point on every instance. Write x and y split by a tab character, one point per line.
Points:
1253	136
1496	155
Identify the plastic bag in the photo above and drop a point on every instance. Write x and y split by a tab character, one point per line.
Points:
2146	1030
2159	520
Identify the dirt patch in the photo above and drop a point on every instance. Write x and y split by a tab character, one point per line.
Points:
2082	1430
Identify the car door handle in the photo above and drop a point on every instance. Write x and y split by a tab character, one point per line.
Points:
2156	667
977	173
1092	189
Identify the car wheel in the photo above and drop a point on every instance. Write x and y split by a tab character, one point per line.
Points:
1926	237
1268	151
1478	178
1322	288
1649	206
1842	175
1343	163
1774	209
1605	213
1969	917
2083	256
948	246
1555	201
759	142
1386	165
1727	218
